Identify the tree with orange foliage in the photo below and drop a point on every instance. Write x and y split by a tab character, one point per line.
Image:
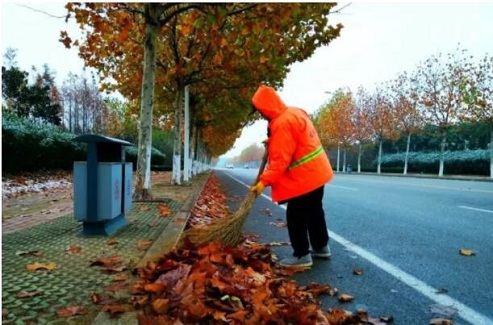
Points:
361	121
442	82
334	123
478	98
383	121
404	98
212	46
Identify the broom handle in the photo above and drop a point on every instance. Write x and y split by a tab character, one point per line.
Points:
262	166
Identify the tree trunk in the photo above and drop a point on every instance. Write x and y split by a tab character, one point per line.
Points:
406	159
360	153
176	178
338	156
442	154
380	145
143	182
186	152
344	161
491	149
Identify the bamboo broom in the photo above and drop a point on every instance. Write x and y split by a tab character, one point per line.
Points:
227	230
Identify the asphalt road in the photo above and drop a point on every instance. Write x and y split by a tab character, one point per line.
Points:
404	234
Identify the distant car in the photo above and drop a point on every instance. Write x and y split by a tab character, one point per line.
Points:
230	166
246	166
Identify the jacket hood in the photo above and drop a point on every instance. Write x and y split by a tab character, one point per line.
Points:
268	102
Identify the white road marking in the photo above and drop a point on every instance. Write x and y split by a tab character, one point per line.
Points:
464	311
345	188
410	183
475	209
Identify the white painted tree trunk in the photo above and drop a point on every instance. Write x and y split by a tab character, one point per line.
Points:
406	159
344	161
143	181
176	174
379	157
491	149
338	156
360	153
186	151
442	156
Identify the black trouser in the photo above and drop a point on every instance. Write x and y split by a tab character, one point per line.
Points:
306	222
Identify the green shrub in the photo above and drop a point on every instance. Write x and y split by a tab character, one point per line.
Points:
28	146
158	159
466	162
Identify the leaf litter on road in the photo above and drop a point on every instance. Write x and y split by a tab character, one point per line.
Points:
212	284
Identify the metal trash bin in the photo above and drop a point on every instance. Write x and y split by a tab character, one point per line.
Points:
102	185
349	168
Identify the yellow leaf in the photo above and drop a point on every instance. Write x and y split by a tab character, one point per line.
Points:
440	321
466	252
41	266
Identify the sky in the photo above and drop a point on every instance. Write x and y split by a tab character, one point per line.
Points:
378	41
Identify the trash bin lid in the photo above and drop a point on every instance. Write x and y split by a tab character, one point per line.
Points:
89	138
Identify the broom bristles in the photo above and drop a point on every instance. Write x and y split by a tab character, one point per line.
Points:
225	230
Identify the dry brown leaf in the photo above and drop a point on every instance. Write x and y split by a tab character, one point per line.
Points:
115	269
120	277
114	309
116	287
27	294
160	306
73	249
357	271
279	224
106	261
71	311
144	243
164	210
155	287
112	241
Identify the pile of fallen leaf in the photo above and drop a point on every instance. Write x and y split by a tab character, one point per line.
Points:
210	205
41	181
211	284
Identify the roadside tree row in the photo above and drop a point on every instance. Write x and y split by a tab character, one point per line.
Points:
155	53
443	91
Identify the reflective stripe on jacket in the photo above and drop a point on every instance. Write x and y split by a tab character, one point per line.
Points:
297	162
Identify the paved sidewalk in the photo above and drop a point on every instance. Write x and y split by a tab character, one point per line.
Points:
37	239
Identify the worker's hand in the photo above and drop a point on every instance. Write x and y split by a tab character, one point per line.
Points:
257	188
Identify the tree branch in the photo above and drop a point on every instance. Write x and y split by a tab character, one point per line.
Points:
41	11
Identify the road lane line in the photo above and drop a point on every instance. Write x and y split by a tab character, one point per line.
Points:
465	312
409	184
345	188
475	209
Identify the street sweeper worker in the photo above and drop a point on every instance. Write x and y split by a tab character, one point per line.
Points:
298	168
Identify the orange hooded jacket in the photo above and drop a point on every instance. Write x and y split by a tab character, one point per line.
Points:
297	162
